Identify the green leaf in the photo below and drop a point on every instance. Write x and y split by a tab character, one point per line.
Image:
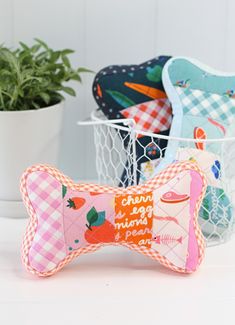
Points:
56	97
92	216
45	97
76	77
66	61
64	191
81	70
100	220
121	99
43	44
67	51
35	105
35	48
24	46
41	56
1	99
155	73
55	56
69	91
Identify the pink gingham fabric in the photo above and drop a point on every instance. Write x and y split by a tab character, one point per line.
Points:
48	245
154	116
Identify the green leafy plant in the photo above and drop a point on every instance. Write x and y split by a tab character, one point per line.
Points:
35	77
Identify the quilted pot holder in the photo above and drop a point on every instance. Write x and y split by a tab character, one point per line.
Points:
158	219
136	91
203	104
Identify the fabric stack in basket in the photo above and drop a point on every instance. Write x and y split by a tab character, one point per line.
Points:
203	104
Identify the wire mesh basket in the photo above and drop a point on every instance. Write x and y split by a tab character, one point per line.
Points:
118	163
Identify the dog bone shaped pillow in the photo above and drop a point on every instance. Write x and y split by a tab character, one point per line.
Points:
158	219
203	108
136	91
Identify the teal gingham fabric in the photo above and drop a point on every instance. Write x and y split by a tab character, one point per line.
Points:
198	102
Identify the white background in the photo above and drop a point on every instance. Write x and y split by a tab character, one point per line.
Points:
115	286
105	32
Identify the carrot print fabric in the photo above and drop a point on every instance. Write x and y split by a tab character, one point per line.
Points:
136	92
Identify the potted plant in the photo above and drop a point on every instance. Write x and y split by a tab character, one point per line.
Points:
32	82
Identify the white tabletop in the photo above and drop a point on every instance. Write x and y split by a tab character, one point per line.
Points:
114	286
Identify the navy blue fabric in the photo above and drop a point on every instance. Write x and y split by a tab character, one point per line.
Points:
112	96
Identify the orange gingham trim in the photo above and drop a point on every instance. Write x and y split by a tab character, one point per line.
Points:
162	178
